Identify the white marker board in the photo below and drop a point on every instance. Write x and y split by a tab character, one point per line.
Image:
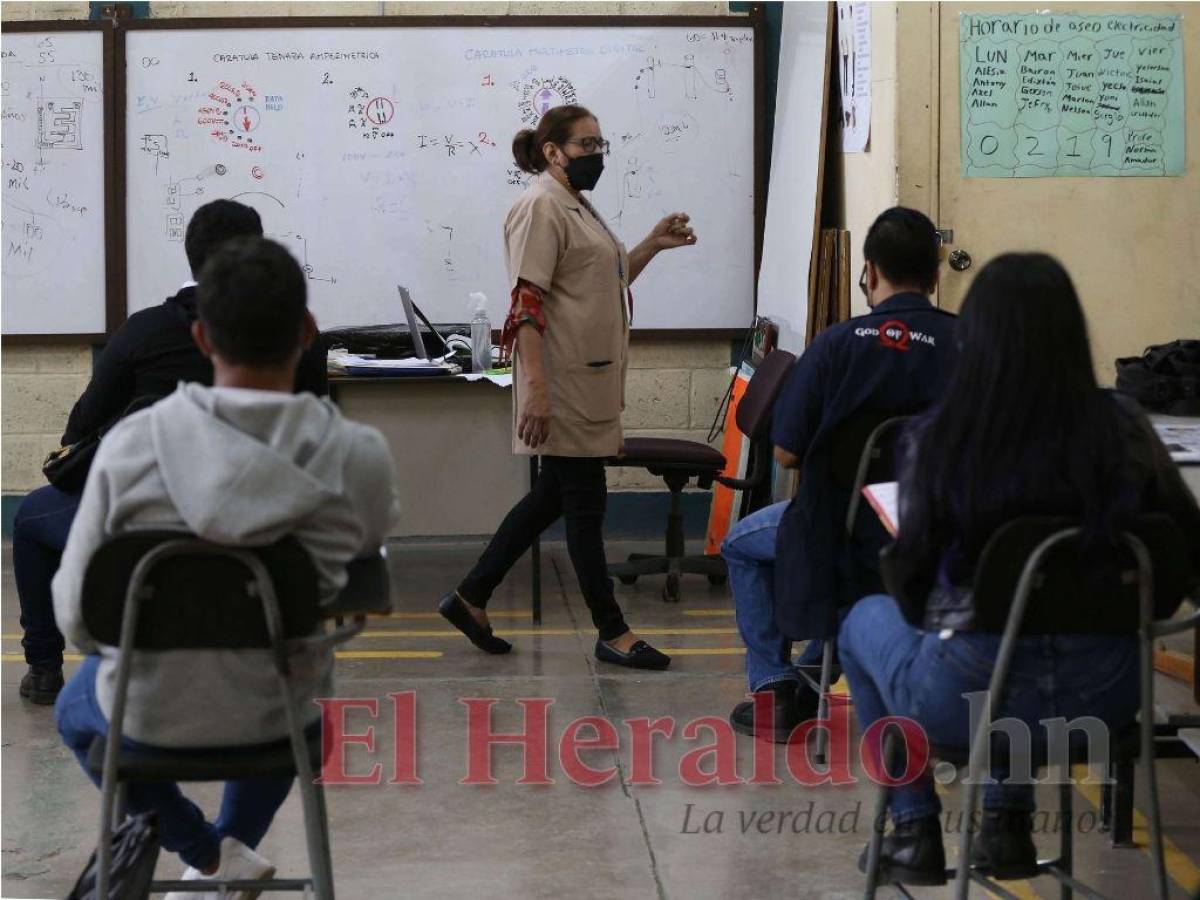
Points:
382	155
53	222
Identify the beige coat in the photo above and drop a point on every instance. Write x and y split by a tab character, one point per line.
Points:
554	242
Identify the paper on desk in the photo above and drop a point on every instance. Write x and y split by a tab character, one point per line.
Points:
1182	440
503	381
884	498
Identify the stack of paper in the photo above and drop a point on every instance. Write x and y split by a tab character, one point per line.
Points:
885	500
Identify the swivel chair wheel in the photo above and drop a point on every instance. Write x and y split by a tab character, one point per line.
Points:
627	579
670	592
718	580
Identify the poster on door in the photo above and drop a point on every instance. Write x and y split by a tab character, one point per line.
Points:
1047	95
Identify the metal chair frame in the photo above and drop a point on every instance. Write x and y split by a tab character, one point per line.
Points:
1061	867
316	824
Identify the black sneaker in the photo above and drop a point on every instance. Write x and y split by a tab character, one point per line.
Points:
911	854
794	702
41	684
1004	846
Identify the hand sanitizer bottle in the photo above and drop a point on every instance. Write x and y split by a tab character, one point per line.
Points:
481	335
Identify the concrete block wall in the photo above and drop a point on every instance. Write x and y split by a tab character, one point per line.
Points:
674	385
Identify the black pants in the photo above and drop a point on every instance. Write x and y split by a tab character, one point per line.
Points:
572	487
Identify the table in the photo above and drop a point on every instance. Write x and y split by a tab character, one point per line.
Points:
451	442
1191	477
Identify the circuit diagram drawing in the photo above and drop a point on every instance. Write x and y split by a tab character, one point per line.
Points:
232	115
60	124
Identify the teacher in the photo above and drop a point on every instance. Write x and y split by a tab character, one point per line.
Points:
571	307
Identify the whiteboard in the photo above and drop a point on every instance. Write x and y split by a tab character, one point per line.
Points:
792	201
382	156
52	104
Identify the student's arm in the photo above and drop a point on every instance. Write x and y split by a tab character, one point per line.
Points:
312	373
88	532
378	501
800	406
110	391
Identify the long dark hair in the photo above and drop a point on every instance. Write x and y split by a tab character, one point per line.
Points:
554	127
1022	429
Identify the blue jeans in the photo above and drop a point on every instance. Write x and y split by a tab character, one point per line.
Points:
247	806
749	551
40	532
894	669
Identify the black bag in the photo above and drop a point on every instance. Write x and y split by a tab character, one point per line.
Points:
67	467
135	845
1165	379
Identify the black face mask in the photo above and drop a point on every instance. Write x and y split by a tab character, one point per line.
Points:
584	171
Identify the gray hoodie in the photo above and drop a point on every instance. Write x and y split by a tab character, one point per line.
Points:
237	467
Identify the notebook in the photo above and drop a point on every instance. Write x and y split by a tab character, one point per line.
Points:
884	498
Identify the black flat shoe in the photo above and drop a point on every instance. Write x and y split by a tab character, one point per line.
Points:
1004	846
454	610
41	685
640	656
911	854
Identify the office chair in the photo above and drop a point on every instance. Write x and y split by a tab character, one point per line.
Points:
678	462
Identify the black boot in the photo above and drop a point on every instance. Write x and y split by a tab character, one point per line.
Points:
41	684
1004	847
911	854
794	702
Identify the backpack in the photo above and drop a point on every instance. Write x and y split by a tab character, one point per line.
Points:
1165	379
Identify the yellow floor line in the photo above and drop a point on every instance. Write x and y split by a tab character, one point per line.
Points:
492	614
705	613
341	654
703	651
388	654
533	632
1180	867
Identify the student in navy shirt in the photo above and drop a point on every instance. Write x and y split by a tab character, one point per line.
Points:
787	563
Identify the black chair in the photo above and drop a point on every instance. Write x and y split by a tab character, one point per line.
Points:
678	462
1031	580
165	591
862	452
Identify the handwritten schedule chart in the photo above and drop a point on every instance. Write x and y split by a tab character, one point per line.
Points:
1071	95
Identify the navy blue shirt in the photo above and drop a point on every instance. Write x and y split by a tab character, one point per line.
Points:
895	359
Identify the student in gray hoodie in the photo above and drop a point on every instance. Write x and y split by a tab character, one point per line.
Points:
242	463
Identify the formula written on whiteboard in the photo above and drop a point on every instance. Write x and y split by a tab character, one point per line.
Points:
1071	95
390	157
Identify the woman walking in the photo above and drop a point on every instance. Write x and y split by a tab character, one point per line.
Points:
569	322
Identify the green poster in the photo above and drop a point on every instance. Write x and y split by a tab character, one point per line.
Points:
1048	95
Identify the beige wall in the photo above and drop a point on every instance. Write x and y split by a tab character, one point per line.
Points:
674	386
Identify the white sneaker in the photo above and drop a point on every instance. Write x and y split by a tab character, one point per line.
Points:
238	863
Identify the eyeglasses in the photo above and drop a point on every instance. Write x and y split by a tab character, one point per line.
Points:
591	144
862	281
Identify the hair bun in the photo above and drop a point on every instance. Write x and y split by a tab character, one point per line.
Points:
524	148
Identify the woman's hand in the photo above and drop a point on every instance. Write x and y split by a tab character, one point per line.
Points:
533	428
671	232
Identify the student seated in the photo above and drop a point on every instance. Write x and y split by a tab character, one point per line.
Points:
144	360
786	562
1022	430
243	463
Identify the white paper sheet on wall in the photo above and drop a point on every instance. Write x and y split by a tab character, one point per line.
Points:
854	74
